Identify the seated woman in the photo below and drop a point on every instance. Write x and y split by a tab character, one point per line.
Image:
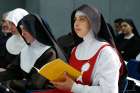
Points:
14	44
9	21
95	57
130	44
40	49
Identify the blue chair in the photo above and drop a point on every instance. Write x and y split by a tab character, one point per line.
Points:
133	67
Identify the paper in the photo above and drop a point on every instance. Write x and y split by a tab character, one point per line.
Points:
55	69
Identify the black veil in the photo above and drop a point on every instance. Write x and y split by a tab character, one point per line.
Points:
131	23
100	30
40	29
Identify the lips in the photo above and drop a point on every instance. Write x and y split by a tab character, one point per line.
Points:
77	29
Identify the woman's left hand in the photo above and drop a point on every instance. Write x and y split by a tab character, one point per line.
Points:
64	85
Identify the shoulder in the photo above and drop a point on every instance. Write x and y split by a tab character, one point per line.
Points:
50	52
51	49
108	55
48	55
108	50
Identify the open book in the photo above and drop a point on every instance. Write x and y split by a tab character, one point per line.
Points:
55	69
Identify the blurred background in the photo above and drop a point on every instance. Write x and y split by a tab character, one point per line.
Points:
58	12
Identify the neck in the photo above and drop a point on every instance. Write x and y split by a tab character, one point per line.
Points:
89	37
34	42
30	41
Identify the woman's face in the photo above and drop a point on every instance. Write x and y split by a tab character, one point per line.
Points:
126	28
81	26
5	26
27	36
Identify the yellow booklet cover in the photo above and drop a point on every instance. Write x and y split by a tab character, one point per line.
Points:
55	69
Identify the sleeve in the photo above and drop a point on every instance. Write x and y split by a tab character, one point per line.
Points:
37	81
11	71
105	75
46	57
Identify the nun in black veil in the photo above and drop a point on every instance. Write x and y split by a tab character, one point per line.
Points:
41	48
95	56
130	44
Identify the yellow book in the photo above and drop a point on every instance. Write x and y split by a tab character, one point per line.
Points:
55	69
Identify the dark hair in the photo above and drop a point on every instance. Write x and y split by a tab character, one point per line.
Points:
76	38
118	20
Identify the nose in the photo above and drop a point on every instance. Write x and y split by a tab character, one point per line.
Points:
122	27
76	24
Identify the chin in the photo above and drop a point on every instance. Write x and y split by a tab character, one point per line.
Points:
79	35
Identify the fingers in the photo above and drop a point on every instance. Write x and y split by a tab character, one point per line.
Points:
58	85
66	76
64	85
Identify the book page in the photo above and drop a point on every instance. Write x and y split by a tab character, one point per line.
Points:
55	69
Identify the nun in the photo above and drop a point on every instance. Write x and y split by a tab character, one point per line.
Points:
13	43
130	44
41	48
15	40
5	57
95	56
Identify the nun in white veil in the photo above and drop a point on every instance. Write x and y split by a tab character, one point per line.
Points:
14	44
5	33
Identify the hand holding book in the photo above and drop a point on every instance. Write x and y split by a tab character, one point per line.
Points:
65	85
54	70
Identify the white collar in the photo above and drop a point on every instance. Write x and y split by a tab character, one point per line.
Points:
119	32
30	54
129	37
15	44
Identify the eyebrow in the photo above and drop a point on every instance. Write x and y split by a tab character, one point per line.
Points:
81	17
